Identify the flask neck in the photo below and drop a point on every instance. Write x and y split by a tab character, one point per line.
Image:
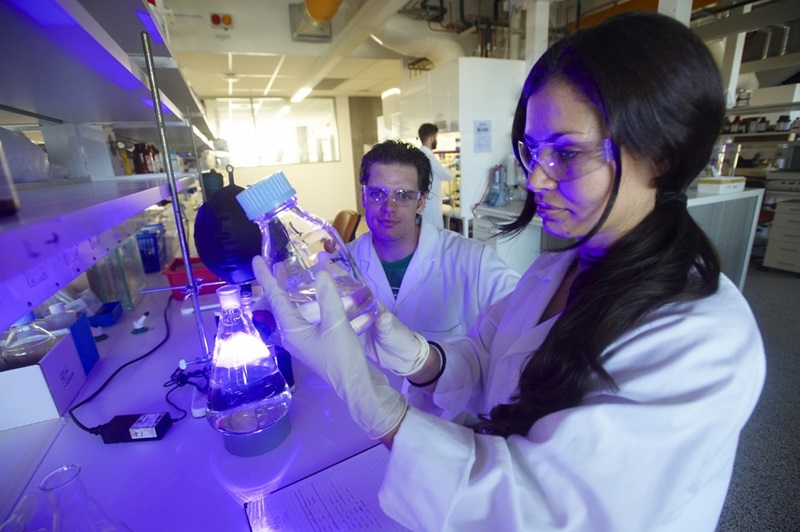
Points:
288	205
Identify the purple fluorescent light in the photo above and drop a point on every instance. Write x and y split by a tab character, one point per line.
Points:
149	103
150	26
63	30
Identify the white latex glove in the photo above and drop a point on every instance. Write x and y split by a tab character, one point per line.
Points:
333	351
394	346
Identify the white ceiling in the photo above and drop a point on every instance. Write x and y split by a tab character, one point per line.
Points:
258	57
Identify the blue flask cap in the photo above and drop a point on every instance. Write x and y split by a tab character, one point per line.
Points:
24	320
266	195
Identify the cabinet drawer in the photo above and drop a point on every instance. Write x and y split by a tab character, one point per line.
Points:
782	255
785	234
786	219
788	207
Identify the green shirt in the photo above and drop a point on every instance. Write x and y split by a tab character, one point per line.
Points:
394	273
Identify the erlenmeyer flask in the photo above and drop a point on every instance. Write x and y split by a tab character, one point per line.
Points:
248	398
73	508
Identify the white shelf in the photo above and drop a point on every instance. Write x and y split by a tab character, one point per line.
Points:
62	230
67	68
765	109
764	136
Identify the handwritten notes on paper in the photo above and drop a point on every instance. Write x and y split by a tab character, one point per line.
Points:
341	497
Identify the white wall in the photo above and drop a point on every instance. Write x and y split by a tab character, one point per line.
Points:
323	189
489	91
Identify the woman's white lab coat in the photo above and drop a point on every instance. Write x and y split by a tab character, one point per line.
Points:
657	454
447	283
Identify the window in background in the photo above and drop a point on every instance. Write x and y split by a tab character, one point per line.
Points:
270	131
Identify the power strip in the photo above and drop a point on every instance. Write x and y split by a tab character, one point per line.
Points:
136	427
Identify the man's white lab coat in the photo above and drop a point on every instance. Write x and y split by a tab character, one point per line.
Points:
447	283
654	455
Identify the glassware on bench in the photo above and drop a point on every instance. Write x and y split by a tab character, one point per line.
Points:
248	398
297	245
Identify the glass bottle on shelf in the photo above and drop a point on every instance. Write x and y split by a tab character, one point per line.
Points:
141	159
735	125
127	165
248	398
297	245
9	202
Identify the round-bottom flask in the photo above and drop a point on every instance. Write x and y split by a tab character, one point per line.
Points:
25	344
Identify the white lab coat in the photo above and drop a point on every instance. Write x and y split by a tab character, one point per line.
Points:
433	206
656	455
449	280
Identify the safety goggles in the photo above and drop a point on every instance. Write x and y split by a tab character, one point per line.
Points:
378	196
566	161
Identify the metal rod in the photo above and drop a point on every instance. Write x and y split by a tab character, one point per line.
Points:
196	154
173	189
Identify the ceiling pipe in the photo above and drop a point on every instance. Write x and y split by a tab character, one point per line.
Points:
413	38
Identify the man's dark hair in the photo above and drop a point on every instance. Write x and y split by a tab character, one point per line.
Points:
395	152
426	131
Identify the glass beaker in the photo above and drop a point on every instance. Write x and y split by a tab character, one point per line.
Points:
72	507
725	157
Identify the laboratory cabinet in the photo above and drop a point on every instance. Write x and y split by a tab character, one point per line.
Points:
63	70
729	220
783	244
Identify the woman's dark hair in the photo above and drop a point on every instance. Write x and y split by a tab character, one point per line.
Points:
659	91
398	153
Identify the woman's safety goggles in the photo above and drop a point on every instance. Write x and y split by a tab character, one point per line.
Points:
562	161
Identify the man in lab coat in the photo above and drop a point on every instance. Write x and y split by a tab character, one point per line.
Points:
435	281
432	213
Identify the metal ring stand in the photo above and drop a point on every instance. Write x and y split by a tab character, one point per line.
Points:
193	286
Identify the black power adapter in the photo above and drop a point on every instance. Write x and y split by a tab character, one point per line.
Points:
135	427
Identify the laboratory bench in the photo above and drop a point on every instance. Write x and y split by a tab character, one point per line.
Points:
187	480
729	220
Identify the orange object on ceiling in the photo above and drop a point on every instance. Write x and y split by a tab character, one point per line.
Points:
322	11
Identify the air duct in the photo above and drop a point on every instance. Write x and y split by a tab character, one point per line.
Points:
414	38
311	20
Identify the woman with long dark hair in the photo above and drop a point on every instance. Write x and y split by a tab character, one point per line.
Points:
609	389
